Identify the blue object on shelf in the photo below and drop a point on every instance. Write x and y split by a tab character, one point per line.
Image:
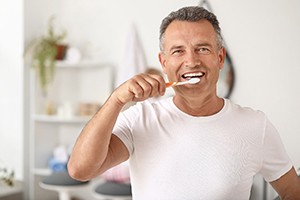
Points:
57	166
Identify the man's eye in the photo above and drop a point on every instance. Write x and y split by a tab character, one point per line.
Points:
178	51
204	50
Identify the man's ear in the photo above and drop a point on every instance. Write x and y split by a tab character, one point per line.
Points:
162	61
222	56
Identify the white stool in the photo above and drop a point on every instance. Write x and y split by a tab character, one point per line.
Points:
113	191
62	183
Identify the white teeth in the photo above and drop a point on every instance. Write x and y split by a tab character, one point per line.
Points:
192	75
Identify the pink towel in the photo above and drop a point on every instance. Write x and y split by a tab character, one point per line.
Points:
119	173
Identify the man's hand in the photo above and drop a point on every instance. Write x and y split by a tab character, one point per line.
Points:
139	88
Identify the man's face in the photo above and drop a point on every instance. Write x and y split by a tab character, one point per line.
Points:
190	49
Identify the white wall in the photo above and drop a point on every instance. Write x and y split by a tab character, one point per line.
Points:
262	36
11	85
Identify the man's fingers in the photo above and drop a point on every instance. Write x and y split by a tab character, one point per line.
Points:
153	85
161	84
141	87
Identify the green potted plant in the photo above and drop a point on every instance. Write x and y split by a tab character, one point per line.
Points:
43	53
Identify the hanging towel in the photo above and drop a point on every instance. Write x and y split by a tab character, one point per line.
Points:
134	59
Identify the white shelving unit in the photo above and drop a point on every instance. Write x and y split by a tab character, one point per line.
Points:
73	84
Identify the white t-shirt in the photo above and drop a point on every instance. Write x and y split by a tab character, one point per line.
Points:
176	156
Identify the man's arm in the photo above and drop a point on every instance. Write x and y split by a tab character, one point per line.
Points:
288	186
97	149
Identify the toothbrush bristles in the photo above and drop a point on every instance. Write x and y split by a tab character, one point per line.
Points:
194	80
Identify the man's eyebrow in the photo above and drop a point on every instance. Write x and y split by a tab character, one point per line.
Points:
205	44
176	47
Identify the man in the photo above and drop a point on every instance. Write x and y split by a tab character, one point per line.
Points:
194	145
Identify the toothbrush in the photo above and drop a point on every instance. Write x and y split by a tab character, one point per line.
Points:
190	81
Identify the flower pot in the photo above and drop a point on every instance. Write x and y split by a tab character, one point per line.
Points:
61	50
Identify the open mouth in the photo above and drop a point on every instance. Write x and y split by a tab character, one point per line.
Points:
192	75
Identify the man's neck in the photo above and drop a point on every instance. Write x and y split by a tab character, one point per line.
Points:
199	106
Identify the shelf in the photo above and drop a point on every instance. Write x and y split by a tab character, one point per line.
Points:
42	171
81	64
74	85
58	119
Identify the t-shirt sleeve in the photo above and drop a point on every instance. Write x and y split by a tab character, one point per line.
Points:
275	162
123	128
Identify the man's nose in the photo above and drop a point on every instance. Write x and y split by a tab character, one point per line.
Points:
192	59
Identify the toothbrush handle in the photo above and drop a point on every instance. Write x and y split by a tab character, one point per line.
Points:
170	84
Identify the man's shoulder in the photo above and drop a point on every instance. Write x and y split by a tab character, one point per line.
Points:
155	102
150	105
244	110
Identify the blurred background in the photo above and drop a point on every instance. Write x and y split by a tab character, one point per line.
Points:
262	37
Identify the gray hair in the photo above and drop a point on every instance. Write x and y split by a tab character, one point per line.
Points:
191	14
